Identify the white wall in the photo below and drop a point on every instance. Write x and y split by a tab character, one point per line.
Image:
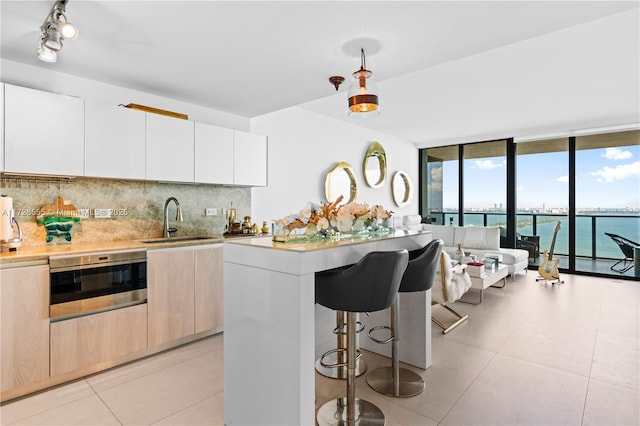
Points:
66	84
304	146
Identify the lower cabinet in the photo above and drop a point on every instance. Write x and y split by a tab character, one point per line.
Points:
184	297
24	326
209	313
184	291
92	339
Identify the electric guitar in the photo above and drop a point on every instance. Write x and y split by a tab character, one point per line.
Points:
549	267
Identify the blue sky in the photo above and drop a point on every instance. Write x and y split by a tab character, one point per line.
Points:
605	178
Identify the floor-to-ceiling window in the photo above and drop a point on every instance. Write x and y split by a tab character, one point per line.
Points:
440	201
607	195
542	182
589	185
485	184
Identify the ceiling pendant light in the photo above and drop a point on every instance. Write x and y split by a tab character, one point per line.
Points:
363	93
55	28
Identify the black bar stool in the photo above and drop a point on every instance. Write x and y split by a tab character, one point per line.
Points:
419	276
369	285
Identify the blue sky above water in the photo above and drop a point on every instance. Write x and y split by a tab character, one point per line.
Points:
606	178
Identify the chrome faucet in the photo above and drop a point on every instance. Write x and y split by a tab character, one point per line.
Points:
166	231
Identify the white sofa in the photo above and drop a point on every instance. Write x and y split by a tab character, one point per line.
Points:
479	240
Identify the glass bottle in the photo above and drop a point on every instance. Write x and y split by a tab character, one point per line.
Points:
460	254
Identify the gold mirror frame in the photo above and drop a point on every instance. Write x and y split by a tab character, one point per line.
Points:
332	192
402	188
375	151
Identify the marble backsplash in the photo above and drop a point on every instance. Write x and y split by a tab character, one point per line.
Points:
137	205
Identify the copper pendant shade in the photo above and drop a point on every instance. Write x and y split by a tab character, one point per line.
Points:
363	93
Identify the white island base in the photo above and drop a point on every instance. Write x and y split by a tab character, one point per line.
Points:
270	322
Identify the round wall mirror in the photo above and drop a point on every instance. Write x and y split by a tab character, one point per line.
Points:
402	188
341	180
374	165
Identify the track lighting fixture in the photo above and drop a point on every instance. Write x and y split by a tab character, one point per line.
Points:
44	53
363	93
55	28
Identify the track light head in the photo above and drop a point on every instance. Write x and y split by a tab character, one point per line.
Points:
55	28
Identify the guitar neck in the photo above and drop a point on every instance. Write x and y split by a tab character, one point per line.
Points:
553	241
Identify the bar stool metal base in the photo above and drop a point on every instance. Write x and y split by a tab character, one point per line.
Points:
409	383
334	413
339	372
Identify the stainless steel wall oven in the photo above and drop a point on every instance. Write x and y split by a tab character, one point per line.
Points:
88	284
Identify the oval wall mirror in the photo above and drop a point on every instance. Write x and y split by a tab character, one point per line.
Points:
374	165
402	188
341	180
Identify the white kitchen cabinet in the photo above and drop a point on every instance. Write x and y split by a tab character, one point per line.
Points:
98	338
209	313
249	159
24	326
114	141
44	132
2	127
213	154
170	148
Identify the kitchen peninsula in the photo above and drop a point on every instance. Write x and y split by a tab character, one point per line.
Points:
269	340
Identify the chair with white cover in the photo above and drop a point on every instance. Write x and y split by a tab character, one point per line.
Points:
450	284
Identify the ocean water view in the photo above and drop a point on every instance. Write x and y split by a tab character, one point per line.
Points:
627	226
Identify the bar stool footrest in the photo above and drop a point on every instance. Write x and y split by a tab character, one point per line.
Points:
340	373
381	341
336	351
341	330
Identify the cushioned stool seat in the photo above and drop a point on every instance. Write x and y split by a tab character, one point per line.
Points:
369	285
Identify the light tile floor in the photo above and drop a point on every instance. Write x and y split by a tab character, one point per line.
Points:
530	354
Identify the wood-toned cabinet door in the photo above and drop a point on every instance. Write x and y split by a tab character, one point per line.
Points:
170	294
209	313
24	326
92	339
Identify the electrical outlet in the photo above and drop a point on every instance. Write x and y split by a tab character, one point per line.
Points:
84	213
102	213
211	211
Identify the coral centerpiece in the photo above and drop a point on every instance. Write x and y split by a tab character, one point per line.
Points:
319	221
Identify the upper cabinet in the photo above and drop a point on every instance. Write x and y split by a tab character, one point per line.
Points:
44	132
170	149
114	141
2	127
213	154
250	159
229	157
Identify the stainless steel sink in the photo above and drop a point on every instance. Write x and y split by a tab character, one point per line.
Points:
174	239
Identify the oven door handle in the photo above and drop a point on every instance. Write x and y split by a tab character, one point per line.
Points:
95	265
83	307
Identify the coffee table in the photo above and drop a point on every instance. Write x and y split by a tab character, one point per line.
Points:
488	279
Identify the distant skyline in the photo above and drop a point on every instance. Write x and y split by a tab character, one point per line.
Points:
606	178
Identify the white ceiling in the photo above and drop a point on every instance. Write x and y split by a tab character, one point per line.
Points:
252	58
